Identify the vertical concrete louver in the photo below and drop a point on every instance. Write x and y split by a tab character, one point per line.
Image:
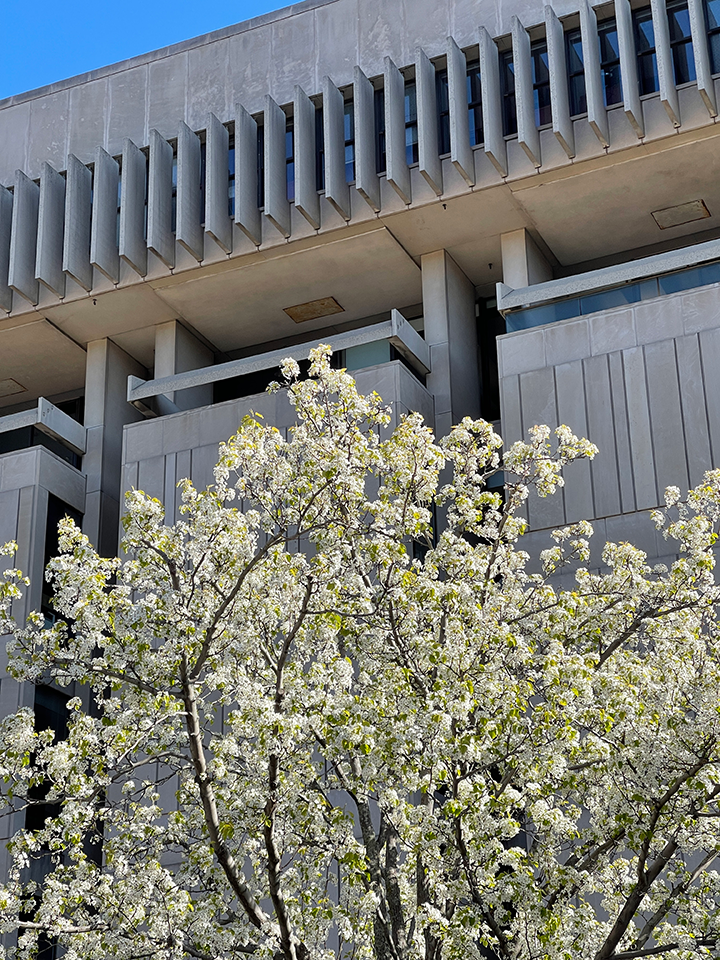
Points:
337	190
103	235
23	242
429	162
461	154
133	247
51	222
559	99
78	209
307	200
701	52
597	114
397	172
247	212
367	182
189	231
217	214
493	133
6	205
277	206
663	52
160	238
628	66
528	134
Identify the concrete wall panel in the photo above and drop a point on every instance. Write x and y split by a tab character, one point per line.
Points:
492	103
88	110
167	94
207	80
307	200
666	415
160	237
127	113
23	242
597	114
104	231
277	207
247	212
427	118
601	431
78	210
47	134
336	187
133	247
367	183
696	432
666	73
189	232
528	136
539	405
51	224
6	205
14	131
217	216
628	66
622	432
571	410
461	153
398	172
643	459
559	101
701	52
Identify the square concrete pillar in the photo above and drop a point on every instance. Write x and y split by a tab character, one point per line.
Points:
177	349
523	262
451	333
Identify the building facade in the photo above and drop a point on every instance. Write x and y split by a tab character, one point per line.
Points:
505	210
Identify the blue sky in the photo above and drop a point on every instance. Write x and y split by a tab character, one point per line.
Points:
45	41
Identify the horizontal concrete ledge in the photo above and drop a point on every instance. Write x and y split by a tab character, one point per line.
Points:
406	340
607	277
52	421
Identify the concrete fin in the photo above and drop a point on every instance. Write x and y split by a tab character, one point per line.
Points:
6	205
78	210
701	52
307	200
628	66
492	102
189	231
160	237
427	121
23	241
597	114
461	154
398	172
663	51
367	182
528	134
51	222
217	215
337	190
247	212
277	205
103	234
559	100
133	247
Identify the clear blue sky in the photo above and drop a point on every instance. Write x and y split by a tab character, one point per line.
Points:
45	41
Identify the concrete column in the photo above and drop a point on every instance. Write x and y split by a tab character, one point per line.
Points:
597	114
160	237
493	134
51	223
133	248
217	217
23	242
307	200
6	205
178	350
451	333
628	66
559	99
461	154
336	186
427	120
367	183
528	134
398	172
522	261
247	212
277	207
106	413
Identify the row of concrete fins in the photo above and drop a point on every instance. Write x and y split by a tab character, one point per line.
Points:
68	225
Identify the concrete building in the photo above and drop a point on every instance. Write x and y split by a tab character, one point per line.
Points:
500	209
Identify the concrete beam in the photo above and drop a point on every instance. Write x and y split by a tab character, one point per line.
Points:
493	133
277	205
103	235
51	224
461	154
51	421
663	52
247	212
307	200
701	52
367	182
337	190
628	66
160	237
528	134
398	172
427	119
133	246
6	205
189	232
23	242
559	99
217	215
597	114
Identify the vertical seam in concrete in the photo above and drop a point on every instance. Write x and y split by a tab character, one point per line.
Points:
556	399
703	375
682	409
658	492
621	366
587	430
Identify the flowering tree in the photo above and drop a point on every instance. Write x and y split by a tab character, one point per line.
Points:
302	742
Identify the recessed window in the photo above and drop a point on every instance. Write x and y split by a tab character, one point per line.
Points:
290	159
319	150
474	100
349	133
576	72
442	98
541	83
380	152
412	153
610	62
231	179
645	48
681	41
507	87
261	166
712	17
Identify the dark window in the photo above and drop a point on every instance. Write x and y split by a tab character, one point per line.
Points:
231	179
349	126
442	98
576	72
174	192
645	47
57	510
290	158
319	150
261	166
541	83
681	41
491	325
712	16
411	123
380	154
474	99
507	87
203	170
610	62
